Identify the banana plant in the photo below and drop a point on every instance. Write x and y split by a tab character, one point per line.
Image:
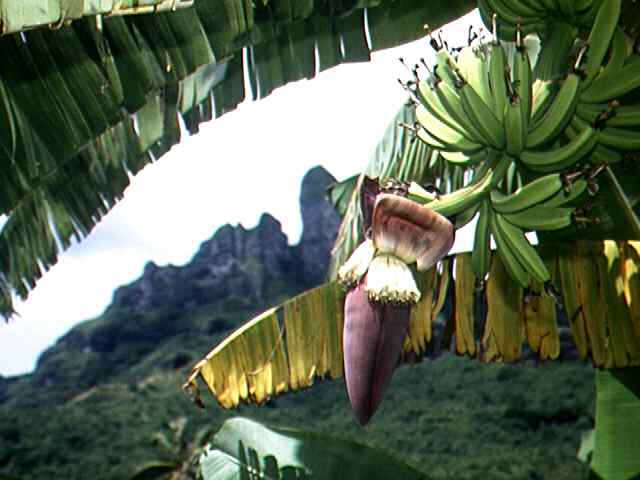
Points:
509	138
119	84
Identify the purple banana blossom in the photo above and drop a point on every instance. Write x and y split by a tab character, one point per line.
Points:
378	306
373	337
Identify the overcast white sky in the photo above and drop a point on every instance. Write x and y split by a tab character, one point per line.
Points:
247	162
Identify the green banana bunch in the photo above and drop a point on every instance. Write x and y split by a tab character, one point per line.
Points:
497	118
534	15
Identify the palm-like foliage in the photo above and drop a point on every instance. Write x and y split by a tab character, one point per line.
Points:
85	105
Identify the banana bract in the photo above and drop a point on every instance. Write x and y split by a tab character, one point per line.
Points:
383	291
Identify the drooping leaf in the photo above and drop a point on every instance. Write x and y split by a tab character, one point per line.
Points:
289	347
63	88
243	448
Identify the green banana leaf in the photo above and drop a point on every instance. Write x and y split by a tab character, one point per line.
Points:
243	448
19	15
617	450
117	86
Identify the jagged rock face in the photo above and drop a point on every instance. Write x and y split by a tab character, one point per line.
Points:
240	262
244	263
236	269
320	225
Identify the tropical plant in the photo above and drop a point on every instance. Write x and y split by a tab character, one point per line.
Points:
523	142
93	98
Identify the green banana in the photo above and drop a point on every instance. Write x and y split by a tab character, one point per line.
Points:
461	158
600	37
618	52
541	217
602	155
481	254
473	62
515	126
509	259
445	66
555	52
523	78
516	242
627	80
444	133
564	156
620	138
531	194
432	142
466	216
497	76
613	115
451	102
481	116
543	93
460	200
558	115
432	101
512	179
561	198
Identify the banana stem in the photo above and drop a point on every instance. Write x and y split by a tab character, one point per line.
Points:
632	218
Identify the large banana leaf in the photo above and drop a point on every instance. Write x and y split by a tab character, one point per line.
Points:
84	106
289	346
616	449
20	15
243	448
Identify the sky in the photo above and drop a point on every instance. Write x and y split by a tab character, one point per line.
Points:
247	162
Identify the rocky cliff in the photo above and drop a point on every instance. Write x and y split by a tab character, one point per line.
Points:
236	273
242	263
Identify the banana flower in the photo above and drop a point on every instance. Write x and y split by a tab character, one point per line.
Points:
382	291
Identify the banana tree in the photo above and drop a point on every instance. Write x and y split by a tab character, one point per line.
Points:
540	143
90	94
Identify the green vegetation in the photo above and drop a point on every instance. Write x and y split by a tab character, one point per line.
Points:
450	418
